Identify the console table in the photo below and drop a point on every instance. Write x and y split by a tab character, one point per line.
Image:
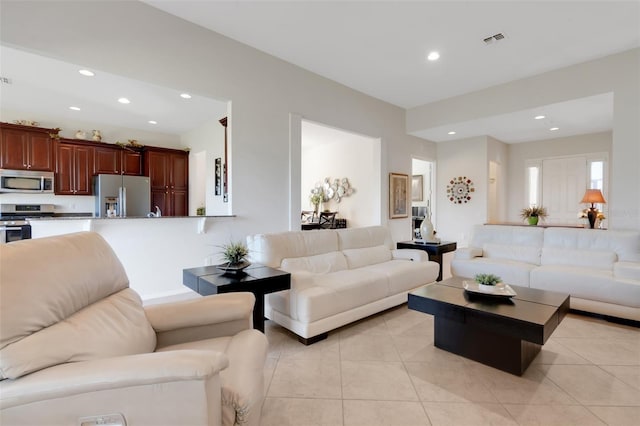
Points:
257	279
435	250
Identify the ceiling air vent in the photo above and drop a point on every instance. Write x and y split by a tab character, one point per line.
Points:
5	80
493	38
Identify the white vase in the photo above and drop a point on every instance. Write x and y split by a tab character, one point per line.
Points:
426	230
487	288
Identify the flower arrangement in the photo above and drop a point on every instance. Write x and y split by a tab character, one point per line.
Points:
487	279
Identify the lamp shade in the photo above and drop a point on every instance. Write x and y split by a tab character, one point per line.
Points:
593	196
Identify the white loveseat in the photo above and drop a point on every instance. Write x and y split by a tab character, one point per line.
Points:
337	276
600	269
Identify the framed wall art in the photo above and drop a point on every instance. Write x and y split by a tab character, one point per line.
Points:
417	188
398	195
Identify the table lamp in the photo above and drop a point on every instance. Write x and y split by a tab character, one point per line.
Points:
593	196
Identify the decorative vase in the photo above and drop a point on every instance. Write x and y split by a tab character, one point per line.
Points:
80	134
426	229
533	220
592	215
97	136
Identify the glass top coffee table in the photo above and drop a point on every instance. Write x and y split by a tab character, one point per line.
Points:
504	333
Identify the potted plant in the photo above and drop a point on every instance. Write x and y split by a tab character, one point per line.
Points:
487	282
234	255
533	214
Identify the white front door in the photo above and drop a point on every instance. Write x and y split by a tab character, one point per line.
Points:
563	185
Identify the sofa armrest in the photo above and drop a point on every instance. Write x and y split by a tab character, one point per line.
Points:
467	253
626	271
204	318
123	374
410	254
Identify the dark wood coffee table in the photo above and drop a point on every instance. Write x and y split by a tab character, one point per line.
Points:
257	279
503	333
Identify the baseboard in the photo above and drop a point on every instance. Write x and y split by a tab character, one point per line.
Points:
623	321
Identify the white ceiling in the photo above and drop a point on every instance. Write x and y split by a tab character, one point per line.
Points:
50	93
380	48
376	47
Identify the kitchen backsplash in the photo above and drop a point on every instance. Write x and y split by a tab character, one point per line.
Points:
62	203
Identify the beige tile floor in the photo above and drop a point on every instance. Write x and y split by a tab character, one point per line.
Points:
384	370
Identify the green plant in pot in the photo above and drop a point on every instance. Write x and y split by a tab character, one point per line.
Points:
234	255
533	214
487	282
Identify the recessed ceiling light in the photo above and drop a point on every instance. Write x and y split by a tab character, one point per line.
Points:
75	108
451	133
185	96
152	122
553	129
124	101
433	56
539	117
86	73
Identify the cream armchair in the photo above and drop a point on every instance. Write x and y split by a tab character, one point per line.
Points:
77	346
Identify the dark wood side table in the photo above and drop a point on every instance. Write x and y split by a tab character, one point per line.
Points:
435	250
257	279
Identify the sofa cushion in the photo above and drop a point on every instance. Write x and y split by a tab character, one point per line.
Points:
527	254
113	326
338	292
626	271
625	244
511	271
271	249
591	284
318	264
370	236
594	259
531	236
404	275
357	258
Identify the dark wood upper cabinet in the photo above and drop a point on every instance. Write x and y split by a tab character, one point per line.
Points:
74	168
27	147
110	159
168	171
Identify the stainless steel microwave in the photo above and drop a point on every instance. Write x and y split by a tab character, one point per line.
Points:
26	181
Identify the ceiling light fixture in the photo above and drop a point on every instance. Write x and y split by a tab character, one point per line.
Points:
124	101
538	117
553	129
152	122
185	96
451	133
433	56
75	108
87	73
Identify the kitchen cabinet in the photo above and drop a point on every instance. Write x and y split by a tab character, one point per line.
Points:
74	168
168	171
117	160
26	147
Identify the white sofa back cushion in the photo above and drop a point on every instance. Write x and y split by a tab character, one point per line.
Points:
272	249
357	258
527	254
625	244
593	259
530	236
318	264
370	236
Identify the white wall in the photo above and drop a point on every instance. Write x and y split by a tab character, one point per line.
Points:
207	144
616	73
336	154
464	157
264	92
498	154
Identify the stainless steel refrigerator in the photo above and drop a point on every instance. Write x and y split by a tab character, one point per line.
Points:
122	196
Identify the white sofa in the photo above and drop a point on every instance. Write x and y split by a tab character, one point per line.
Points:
600	269
337	276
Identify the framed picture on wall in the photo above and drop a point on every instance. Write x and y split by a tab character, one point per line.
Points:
417	188
398	195
218	176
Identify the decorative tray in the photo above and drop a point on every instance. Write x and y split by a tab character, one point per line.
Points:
500	290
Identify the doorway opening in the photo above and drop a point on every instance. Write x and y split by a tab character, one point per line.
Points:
422	193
